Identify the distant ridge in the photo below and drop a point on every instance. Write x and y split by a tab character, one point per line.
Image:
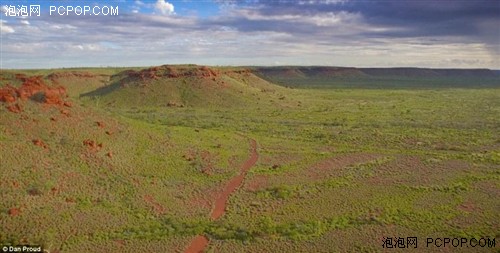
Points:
320	76
425	72
497	72
315	71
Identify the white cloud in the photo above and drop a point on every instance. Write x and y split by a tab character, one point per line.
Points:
164	8
24	22
328	19
87	47
4	28
320	19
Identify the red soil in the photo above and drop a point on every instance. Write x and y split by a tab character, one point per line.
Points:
242	71
35	84
220	203
8	94
65	112
15	108
143	75
40	143
53	96
207	72
200	242
120	242
58	75
93	146
54	190
33	88
100	124
14	211
155	73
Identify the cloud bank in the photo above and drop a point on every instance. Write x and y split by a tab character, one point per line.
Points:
375	33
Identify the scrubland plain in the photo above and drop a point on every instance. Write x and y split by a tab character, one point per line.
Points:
135	160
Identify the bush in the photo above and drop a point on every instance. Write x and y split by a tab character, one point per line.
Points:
38	97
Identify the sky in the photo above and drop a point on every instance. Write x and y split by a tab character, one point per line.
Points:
356	33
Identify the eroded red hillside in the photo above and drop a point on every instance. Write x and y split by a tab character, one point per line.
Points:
73	74
166	71
33	88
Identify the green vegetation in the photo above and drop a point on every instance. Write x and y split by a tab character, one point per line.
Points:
333	165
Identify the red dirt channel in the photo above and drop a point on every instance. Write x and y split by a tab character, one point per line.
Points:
197	245
221	202
200	242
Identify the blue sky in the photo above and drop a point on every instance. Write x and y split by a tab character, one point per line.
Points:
375	33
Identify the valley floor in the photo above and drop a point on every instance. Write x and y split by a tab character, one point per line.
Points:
338	170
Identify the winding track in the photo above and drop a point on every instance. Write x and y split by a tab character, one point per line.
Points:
200	242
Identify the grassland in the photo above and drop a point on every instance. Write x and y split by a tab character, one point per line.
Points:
338	169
